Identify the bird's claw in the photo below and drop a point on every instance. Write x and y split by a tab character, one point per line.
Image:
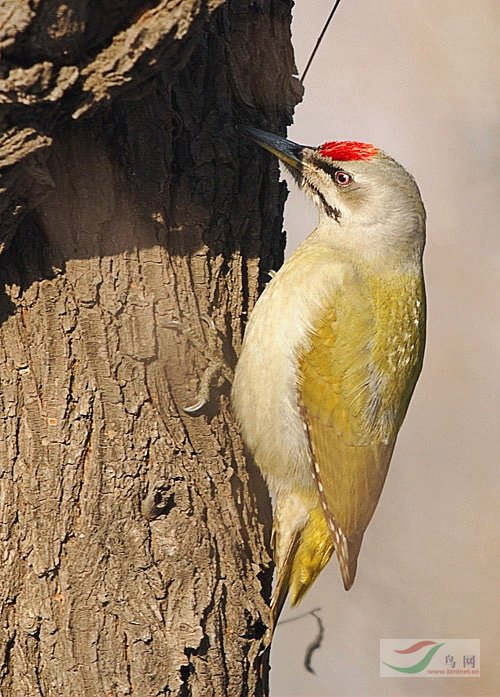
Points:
217	369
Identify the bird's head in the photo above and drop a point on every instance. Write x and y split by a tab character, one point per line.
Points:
364	197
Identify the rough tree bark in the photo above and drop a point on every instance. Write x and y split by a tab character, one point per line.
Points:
134	537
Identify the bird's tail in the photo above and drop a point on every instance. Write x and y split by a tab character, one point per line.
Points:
303	545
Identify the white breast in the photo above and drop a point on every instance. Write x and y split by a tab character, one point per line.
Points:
265	385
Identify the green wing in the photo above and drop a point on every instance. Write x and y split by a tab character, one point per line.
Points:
353	404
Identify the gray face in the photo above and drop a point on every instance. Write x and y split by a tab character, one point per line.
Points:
366	192
371	204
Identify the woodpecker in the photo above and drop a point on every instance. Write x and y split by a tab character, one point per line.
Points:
331	355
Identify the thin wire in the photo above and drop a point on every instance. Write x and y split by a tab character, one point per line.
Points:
320	38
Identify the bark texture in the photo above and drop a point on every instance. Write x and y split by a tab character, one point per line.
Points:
134	537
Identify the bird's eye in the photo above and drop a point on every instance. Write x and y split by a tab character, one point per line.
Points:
342	178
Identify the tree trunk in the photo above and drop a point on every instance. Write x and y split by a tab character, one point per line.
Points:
135	537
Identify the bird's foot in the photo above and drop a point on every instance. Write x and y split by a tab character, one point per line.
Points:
217	371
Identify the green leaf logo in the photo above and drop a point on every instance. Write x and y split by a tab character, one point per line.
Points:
421	665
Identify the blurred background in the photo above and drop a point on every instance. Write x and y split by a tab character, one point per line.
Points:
421	80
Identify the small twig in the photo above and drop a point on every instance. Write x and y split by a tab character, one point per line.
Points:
320	38
316	642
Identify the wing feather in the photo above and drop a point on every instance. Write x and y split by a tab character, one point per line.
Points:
338	385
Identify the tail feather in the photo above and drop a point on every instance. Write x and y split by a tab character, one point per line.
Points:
303	544
290	516
301	552
313	553
284	571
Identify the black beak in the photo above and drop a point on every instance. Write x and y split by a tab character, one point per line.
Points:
286	150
